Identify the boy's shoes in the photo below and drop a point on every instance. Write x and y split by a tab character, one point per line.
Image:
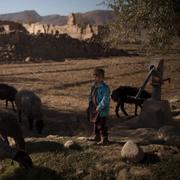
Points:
104	141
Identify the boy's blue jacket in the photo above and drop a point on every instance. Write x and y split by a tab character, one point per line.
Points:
102	96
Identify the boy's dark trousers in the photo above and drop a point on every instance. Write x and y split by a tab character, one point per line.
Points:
100	128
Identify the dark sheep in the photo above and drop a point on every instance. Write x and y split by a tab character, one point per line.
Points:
29	104
10	127
17	155
124	94
8	93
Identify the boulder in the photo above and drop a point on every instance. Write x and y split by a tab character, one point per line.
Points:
170	134
132	152
71	145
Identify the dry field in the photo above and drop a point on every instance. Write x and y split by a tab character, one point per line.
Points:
64	88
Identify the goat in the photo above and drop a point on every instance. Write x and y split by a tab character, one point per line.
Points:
124	94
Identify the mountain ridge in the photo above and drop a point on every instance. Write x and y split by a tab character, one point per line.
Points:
95	17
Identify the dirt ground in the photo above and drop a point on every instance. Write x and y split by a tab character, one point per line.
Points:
64	86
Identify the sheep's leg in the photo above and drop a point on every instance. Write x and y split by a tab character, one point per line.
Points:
13	106
136	107
6	104
123	110
140	105
19	115
117	110
30	119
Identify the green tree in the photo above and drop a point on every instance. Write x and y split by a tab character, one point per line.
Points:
152	21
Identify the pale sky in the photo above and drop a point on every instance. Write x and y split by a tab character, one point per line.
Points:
46	7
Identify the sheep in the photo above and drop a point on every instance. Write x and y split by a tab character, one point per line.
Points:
9	127
124	94
29	104
19	156
8	93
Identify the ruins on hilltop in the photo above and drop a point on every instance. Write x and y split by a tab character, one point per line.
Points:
71	28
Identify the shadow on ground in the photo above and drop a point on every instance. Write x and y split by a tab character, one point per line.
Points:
36	173
62	123
43	146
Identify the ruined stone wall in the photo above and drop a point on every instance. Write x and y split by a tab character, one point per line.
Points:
72	29
18	46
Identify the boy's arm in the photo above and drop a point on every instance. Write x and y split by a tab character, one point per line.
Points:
105	100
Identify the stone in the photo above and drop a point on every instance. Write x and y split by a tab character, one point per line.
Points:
170	134
174	100
28	59
54	137
132	152
123	174
175	112
71	145
79	172
139	171
82	138
120	165
177	118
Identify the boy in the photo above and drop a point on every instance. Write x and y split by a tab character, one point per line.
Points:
98	109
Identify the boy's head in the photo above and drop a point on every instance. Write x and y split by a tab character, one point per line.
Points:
99	74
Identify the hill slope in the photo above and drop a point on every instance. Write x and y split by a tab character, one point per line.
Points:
97	17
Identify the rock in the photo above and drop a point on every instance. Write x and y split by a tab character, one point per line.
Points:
79	172
123	174
176	112
28	59
82	138
55	137
133	173
170	134
175	103
132	152
177	118
139	171
162	149
120	165
71	145
174	100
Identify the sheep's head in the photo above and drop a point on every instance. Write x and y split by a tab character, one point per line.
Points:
114	95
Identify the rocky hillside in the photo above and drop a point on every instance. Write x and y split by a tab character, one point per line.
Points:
97	17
